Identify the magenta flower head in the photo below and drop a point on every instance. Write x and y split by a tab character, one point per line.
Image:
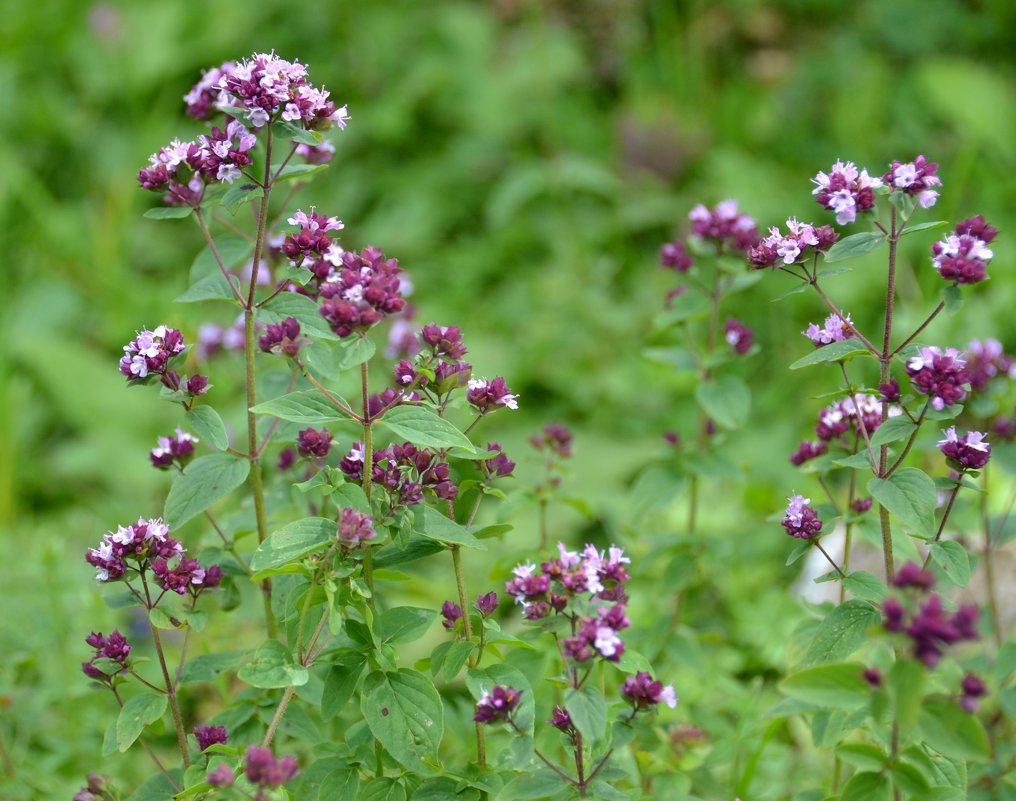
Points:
452	613
643	692
913	575
316	154
114	648
282	338
361	292
738	336
486	604
845	190
173	451
206	94
890	391
222	776
800	520
807	451
674	256
873	676
355	528
187	575
861	505
207	736
962	257
444	340
939	375
973	688
139	542
987	360
555	438
150	352
724	226
969	452
487	396
800	242
264	770
314	444
834	330
915	178
499	466
498	704
561	720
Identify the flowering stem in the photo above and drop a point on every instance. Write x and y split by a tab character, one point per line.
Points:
368	477
544	759
945	516
144	744
884	358
910	442
542	509
147	683
285	161
281	286
215	254
579	766
835	310
829	559
287	696
181	734
920	328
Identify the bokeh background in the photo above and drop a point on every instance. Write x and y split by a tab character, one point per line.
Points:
523	160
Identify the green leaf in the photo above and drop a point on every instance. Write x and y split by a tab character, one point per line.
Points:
865	586
273	667
727	400
954	561
1005	662
354	351
158	787
796	290
537	784
834	352
240	194
952	297
206	423
381	788
892	430
856	461
493	530
867	787
906	688
233	250
588	710
444	788
169	213
429	522
211	287
836	686
288	130
913	229
854	245
300	308
340	684
456	658
207	479
863	755
404	711
208	667
683	308
910	495
307	407
799	550
947	728
293	542
137	713
424	428
843	631
403	624
160	619
293	171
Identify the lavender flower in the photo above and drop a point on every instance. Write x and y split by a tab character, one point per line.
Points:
139	543
314	444
561	720
114	648
738	336
987	360
207	736
499	466
206	94
222	776
913	575
555	438
890	391
170	451
845	190
487	396
807	451
915	178
452	613
724	226
264	770
674	256
355	528
800	241
486	604
643	692
150	352
282	338
873	676
861	505
939	375
498	704
444	340
834	330
962	257
801	521
361	292
187	575
973	688
969	452
316	154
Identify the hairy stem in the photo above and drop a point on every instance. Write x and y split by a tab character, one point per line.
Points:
884	359
280	710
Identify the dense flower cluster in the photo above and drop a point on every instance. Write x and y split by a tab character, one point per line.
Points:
807	451
738	336
835	329
849	414
207	736
498	704
486	603
963	256
549	587
282	338
972	689
801	520
452	614
799	242
207	93
499	466
487	396
173	451
939	375
598	636
360	291
675	256
355	528
311	247
313	444
845	190
969	452
187	575
265	771
114	648
403	471
644	692
150	352
987	360
930	628
724	226
915	178
272	88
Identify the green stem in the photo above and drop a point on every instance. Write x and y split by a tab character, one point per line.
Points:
945	517
989	571
280	710
884	359
181	734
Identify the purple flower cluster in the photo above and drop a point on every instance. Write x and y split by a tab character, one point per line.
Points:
361	291
800	520
264	770
452	614
598	636
207	93
846	191
987	360
150	352
114	647
561	720
723	226
738	336
644	692
498	704
963	256
188	574
939	375
915	178
272	88
807	451
404	471
969	452
312	444
173	451
311	247
97	789
675	256
487	396
207	736
549	587
972	688
555	438
355	528
486	603
499	466
835	329
848	415
282	338
931	629
800	242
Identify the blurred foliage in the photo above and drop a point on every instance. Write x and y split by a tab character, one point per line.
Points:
523	160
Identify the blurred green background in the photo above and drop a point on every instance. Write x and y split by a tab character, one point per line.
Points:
523	160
